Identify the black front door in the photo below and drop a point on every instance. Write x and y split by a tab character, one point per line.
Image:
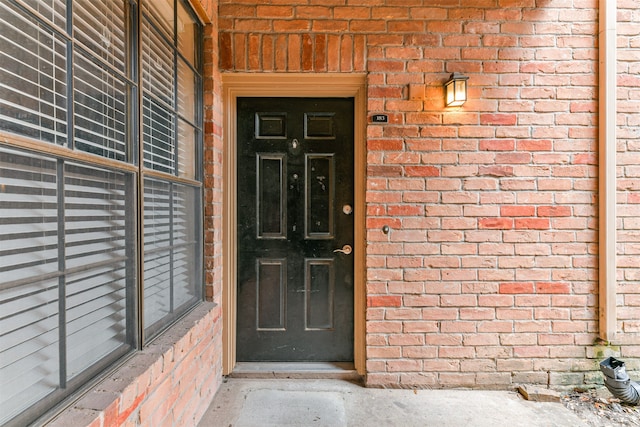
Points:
295	229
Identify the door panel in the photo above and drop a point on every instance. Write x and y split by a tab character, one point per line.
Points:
295	192
320	288
271	291
271	191
319	195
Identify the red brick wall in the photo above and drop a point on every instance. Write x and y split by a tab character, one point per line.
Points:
629	176
488	276
213	153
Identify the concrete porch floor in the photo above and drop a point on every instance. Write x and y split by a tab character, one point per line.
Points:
249	402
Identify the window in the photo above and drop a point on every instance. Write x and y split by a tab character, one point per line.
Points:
171	132
100	188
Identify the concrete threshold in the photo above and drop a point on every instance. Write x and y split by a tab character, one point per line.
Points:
296	370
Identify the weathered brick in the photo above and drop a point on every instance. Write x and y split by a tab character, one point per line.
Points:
404	365
451	379
384	301
552	287
516	288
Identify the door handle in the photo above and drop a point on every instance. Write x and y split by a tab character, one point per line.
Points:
346	249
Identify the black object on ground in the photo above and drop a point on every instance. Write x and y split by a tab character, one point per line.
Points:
618	382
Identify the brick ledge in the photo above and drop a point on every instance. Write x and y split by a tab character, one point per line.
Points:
171	381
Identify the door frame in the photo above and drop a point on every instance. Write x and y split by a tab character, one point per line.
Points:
301	85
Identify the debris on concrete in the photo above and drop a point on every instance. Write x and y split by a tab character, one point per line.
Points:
597	408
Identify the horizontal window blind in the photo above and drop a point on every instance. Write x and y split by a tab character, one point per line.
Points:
96	249
33	61
28	216
101	26
160	13
100	110
159	136
187	150
95	216
187	85
172	266
186	30
64	300
171	136
186	241
29	286
158	74
53	11
157	251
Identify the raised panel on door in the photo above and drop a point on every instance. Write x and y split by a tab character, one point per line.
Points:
271	293
319	196
271	218
320	292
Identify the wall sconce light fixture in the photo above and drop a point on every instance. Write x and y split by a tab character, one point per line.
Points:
455	90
